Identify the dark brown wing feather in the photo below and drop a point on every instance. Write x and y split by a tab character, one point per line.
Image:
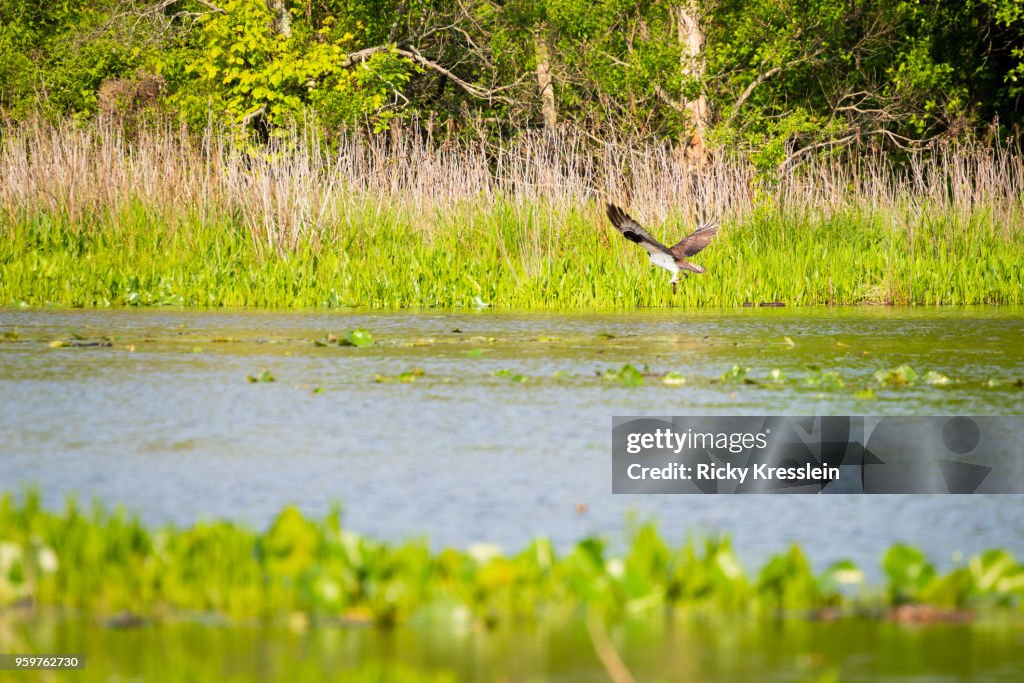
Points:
633	231
701	237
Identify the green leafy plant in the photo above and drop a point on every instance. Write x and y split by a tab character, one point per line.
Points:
358	337
627	376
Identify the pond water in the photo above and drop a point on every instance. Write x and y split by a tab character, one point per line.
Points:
713	649
164	422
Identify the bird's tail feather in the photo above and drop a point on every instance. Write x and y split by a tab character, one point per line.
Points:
693	267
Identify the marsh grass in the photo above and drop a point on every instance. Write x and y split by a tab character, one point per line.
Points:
91	218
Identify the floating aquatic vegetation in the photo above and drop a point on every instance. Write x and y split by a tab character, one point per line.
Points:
475	353
263	376
627	376
909	573
936	378
510	375
673	379
825	381
776	376
402	377
1002	383
841	573
85	559
902	375
356	337
737	374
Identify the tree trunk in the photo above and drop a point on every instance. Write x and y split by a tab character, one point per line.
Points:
691	39
545	83
282	19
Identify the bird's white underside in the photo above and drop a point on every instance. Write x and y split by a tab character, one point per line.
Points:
663	260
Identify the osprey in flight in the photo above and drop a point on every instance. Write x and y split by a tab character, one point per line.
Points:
672	259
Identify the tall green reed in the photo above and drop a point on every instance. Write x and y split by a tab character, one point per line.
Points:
88	217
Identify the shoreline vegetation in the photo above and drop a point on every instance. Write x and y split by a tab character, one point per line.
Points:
111	566
100	215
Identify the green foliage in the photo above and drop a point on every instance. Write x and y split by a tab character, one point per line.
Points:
900	376
783	80
827	71
263	376
510	375
55	55
736	375
908	571
102	563
825	381
356	337
241	65
788	582
123	258
627	376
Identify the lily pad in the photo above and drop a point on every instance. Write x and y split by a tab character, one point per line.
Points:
357	337
902	375
673	379
737	375
510	374
936	378
826	381
264	376
627	376
411	376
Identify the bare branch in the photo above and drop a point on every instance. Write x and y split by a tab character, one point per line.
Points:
664	97
839	142
210	6
416	57
414	54
745	95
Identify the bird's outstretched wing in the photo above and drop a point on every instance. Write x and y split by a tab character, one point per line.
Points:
701	237
634	232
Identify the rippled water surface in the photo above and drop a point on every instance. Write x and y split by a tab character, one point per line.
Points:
164	422
719	650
